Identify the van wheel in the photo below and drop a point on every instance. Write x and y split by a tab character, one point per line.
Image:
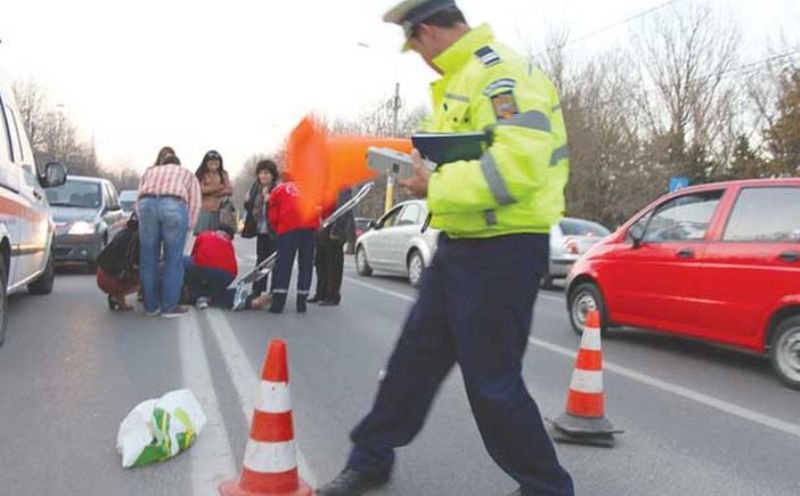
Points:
584	298
416	266
44	284
784	352
362	266
3	300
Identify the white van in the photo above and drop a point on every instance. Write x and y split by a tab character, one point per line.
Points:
26	226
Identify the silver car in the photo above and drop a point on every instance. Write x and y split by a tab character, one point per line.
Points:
569	239
396	244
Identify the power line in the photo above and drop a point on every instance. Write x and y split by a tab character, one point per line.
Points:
621	22
744	69
614	25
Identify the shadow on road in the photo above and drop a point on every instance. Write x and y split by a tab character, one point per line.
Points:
692	348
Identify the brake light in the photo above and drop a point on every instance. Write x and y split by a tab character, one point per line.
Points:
571	246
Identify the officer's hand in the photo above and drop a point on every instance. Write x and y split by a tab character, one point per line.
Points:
418	183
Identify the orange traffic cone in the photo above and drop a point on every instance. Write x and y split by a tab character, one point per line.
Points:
584	422
270	463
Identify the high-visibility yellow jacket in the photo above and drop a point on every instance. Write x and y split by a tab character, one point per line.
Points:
518	184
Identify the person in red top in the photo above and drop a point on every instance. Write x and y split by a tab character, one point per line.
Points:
295	237
212	268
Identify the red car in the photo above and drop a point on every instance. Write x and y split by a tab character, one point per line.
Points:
719	262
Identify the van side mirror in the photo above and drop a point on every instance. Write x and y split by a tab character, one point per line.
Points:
55	174
636	232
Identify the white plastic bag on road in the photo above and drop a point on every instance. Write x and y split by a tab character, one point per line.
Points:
156	430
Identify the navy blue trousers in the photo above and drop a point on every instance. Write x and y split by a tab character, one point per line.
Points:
299	242
475	308
209	282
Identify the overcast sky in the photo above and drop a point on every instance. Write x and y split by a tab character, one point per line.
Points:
238	75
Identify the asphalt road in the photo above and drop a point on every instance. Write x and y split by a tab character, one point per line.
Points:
698	419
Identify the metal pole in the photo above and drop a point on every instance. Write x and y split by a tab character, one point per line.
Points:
389	200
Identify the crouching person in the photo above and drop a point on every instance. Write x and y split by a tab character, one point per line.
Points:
118	266
212	268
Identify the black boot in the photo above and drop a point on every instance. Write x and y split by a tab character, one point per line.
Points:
278	302
301	303
351	483
316	298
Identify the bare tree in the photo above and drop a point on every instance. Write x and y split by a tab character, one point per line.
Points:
687	56
31	102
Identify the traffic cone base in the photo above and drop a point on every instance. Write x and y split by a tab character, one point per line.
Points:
232	488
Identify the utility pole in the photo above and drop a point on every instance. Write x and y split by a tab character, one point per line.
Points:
396	103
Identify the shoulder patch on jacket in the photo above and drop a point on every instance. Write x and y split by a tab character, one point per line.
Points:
487	56
505	105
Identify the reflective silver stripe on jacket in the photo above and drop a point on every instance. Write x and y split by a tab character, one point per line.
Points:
530	120
559	154
496	183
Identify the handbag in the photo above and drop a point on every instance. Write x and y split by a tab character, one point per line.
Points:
250	228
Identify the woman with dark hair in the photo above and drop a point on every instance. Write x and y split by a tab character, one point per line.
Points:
215	185
267	177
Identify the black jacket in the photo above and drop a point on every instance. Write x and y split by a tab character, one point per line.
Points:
345	226
120	257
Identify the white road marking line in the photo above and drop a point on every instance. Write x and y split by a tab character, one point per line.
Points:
211	458
411	298
698	397
379	289
245	379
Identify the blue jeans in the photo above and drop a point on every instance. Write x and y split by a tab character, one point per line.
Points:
163	223
209	282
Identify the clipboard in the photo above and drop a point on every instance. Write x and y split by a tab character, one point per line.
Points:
443	148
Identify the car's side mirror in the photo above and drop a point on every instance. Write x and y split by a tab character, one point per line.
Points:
372	225
636	232
55	174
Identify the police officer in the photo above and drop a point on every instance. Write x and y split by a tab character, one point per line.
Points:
476	301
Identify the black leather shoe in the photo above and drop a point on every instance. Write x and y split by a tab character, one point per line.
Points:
351	483
315	299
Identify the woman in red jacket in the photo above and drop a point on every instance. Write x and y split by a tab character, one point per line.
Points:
296	235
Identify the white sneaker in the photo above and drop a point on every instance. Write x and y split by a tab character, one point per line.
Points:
201	303
153	314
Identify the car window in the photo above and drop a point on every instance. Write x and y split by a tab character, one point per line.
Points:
685	218
5	138
16	142
390	219
410	215
580	227
78	194
765	214
113	199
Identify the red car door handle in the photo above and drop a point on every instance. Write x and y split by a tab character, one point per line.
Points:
789	256
685	253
